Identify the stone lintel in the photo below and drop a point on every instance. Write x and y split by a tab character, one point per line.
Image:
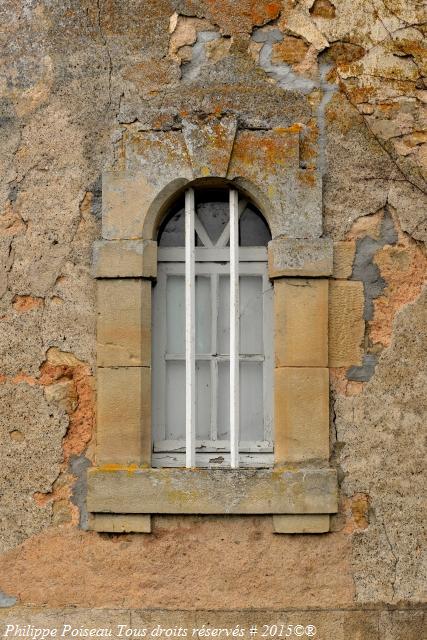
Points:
115	489
300	257
124	259
301	523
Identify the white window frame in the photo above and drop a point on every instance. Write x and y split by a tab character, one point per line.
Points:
211	261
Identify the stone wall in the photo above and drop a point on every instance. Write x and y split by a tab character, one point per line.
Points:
81	81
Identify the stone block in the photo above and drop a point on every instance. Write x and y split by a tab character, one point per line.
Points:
301	523
120	522
123	416
212	491
361	625
210	143
124	259
298	257
124	323
290	197
162	161
403	625
346	323
301	322
343	259
125	196
301	410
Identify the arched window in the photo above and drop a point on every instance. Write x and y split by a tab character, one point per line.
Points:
212	334
164	267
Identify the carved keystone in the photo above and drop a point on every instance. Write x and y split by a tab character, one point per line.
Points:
209	145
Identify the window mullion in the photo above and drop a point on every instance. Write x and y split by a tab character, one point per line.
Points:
214	351
234	329
190	331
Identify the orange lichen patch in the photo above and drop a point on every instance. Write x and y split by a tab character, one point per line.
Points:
21	304
344	53
234	17
404	268
307	178
341	386
356	93
356	511
56	568
410	47
323	9
294	128
308	149
113	467
253	149
290	51
389	109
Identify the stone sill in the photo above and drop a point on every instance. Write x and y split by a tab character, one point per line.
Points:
131	490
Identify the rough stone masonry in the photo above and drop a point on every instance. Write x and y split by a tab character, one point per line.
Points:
80	80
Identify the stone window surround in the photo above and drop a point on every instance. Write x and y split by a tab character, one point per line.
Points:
123	490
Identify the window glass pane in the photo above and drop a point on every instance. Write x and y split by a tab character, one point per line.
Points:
251	401
254	231
224	315
175	314
203	314
175	400
223	400
172	231
214	215
203	400
251	329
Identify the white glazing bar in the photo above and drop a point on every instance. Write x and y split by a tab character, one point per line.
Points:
190	330
234	329
214	361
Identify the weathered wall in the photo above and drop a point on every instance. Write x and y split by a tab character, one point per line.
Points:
80	79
